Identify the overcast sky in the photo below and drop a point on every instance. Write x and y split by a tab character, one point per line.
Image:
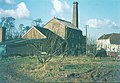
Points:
102	16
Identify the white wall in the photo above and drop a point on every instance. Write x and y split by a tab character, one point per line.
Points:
105	44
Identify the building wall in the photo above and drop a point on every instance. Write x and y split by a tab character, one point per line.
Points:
115	48
33	33
103	43
56	27
73	37
76	41
24	48
30	47
110	48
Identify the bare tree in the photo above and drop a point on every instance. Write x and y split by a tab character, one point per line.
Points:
48	48
52	46
9	24
91	46
37	22
22	27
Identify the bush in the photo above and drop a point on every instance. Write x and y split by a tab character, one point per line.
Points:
101	53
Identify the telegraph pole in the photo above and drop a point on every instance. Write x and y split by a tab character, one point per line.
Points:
86	26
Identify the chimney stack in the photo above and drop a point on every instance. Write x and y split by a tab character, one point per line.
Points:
75	14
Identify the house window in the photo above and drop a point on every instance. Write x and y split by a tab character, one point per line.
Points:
113	49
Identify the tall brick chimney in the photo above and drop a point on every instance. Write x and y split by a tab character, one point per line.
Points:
2	34
75	14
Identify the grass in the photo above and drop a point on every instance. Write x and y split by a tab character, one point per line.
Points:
28	69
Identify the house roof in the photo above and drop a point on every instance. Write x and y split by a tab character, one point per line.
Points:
36	29
105	36
44	31
11	41
68	24
49	34
20	42
114	38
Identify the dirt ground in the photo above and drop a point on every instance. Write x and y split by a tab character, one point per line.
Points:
70	69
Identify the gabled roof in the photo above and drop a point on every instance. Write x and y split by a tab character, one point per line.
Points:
49	34
66	23
44	31
114	38
35	29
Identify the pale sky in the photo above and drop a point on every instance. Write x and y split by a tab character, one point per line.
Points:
102	16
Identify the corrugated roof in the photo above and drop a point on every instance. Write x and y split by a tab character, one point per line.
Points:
114	38
19	41
11	41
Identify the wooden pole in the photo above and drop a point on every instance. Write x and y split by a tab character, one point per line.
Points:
86	26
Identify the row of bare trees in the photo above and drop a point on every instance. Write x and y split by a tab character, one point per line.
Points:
12	32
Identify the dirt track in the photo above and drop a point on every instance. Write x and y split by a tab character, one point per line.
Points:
106	72
99	74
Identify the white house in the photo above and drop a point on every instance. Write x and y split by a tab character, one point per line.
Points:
109	42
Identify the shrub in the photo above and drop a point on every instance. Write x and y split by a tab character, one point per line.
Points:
101	53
